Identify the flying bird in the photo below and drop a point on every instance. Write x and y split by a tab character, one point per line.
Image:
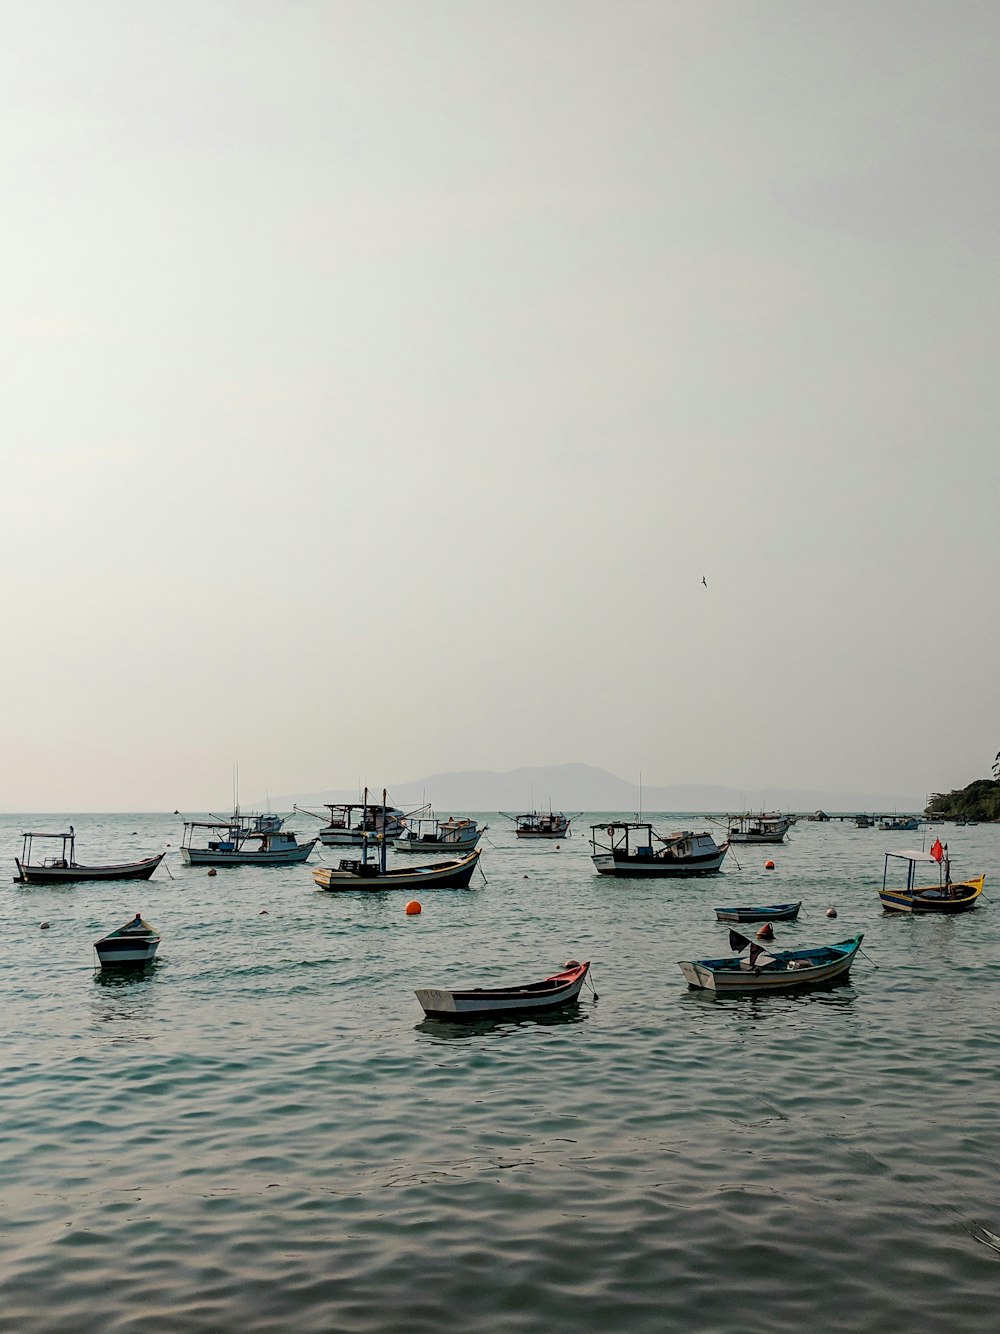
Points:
704	581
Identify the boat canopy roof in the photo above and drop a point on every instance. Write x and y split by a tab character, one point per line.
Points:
27	834
912	856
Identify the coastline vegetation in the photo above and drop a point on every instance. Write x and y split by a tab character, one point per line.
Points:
979	800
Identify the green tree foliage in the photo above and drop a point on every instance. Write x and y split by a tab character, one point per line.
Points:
979	801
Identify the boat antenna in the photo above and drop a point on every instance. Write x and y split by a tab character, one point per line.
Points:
236	787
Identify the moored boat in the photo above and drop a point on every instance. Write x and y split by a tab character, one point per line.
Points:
541	824
132	946
489	1002
775	912
64	869
372	874
767	827
428	834
947	896
764	970
351	823
899	823
633	848
243	840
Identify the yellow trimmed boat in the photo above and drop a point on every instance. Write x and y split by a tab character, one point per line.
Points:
947	896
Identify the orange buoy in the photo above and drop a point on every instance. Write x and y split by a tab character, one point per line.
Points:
766	932
413	908
769	865
212	871
831	912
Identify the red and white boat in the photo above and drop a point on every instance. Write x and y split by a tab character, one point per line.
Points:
489	1002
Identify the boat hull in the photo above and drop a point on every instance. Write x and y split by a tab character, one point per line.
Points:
118	952
933	899
66	875
788	970
279	857
454	846
370	878
488	1003
608	863
777	912
767	837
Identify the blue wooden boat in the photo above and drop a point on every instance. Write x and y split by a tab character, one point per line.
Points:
775	912
781	970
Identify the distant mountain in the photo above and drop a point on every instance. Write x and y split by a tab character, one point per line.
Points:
582	787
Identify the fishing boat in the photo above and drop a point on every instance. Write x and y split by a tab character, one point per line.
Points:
775	912
899	823
132	946
779	970
243	840
770	827
372	874
63	868
947	896
490	1002
633	848
350	823
541	824
427	834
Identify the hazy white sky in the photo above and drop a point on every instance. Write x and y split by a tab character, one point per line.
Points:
379	380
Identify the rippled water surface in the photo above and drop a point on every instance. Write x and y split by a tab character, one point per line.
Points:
262	1132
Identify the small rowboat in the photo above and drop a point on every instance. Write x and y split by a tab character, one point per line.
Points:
777	912
371	875
782	970
487	1002
131	946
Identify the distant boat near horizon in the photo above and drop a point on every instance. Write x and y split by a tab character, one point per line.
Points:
767	827
541	824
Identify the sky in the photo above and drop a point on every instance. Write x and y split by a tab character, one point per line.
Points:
380	381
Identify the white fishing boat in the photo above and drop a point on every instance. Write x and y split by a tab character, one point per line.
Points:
633	848
541	824
242	840
350	823
765	827
132	946
428	834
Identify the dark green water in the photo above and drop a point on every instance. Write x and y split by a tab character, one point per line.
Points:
263	1133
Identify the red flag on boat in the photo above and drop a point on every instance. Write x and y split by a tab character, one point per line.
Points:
937	851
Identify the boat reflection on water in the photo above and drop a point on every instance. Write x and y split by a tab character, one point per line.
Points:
449	1030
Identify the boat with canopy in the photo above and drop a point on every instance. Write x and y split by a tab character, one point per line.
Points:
947	896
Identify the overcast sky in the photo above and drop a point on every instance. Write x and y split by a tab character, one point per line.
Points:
380	380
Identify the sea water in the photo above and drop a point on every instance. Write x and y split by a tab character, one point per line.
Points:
262	1131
